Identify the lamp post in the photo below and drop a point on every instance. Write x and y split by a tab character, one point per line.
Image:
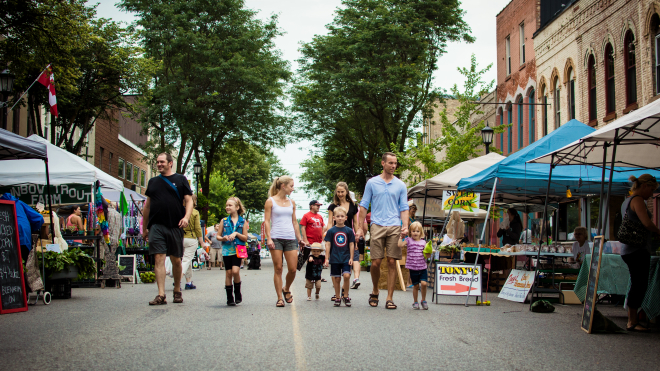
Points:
6	87
197	169
487	136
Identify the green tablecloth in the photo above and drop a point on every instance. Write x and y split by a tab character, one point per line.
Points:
651	303
613	279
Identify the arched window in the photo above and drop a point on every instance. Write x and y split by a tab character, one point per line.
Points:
655	43
631	69
532	122
592	88
544	94
557	103
571	94
520	122
509	113
502	133
610	96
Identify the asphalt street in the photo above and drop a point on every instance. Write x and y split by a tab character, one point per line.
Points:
115	329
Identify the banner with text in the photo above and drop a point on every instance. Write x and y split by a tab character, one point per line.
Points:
467	201
61	194
517	286
454	280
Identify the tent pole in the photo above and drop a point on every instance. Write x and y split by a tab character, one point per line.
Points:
544	230
426	191
606	206
476	260
602	191
50	206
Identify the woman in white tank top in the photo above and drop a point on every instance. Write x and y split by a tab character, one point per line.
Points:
283	235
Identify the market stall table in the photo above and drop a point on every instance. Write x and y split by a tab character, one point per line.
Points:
613	278
550	257
651	303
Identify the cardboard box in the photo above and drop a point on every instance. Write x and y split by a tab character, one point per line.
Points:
569	297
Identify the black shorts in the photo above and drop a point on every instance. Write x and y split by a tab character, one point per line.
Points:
418	276
360	245
231	261
164	240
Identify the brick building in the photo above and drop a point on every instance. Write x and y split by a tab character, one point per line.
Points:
516	74
117	152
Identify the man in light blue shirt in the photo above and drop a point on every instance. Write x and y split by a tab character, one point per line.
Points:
389	221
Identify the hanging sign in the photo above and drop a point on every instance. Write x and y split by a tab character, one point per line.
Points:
61	194
12	292
454	279
467	201
517	286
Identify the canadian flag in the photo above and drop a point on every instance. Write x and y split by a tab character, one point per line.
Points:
46	79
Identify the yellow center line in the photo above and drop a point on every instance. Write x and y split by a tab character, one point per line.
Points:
301	365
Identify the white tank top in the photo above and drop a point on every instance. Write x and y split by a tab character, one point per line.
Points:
281	225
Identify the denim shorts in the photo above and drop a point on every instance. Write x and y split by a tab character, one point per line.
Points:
337	269
285	245
356	256
418	276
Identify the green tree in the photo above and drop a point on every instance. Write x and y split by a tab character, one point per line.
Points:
367	82
221	188
219	79
460	140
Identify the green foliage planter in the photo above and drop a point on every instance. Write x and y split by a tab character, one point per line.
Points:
66	262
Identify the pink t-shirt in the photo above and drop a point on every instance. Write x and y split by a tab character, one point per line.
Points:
415	255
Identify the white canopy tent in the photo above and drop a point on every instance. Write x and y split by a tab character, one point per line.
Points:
64	168
448	179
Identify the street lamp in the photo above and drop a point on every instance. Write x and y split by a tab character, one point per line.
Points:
197	169
487	136
6	87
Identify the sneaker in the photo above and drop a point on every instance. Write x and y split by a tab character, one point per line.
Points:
415	305
355	284
324	280
241	267
347	301
425	305
337	302
190	286
309	298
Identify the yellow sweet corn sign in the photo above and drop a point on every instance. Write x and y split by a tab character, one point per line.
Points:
467	201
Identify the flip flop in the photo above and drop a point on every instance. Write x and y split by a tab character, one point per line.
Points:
289	299
280	303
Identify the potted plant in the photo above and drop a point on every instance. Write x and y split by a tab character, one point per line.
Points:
70	264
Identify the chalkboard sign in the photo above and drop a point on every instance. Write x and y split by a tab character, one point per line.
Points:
128	262
592	284
12	292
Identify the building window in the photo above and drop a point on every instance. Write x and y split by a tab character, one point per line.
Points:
610	103
508	55
557	103
101	159
657	63
129	171
544	111
136	175
571	94
121	170
143	178
532	122
502	133
522	43
520	123
592	88
631	69
509	113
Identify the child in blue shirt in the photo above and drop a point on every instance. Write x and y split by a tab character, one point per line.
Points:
340	246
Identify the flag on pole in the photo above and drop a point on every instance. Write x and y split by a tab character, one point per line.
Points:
46	79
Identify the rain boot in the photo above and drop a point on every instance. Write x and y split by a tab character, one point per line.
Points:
237	292
230	296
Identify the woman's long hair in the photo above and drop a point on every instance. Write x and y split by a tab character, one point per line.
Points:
277	184
336	200
516	217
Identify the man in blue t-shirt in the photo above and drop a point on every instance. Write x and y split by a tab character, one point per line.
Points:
340	246
389	222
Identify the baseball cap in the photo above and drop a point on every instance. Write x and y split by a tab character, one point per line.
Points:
314	202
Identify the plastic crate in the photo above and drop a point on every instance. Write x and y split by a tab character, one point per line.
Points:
59	289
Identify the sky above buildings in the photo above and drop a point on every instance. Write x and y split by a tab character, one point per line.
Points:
300	20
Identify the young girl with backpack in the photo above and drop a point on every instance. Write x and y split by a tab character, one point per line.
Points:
233	233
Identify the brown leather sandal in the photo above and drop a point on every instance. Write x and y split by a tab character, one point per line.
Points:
373	300
178	298
390	305
288	299
280	303
159	300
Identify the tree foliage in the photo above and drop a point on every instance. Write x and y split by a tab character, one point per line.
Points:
460	140
367	83
219	79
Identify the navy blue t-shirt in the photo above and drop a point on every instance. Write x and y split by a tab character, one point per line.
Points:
340	238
